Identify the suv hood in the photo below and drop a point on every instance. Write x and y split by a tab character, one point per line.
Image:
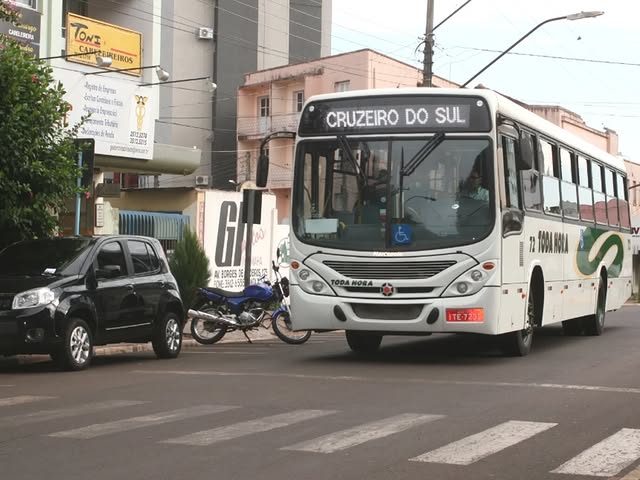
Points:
17	284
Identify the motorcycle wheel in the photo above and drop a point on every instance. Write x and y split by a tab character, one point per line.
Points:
282	328
207	332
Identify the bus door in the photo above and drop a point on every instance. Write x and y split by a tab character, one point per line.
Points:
513	240
514	281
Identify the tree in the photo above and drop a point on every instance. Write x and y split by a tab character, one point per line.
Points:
190	265
38	170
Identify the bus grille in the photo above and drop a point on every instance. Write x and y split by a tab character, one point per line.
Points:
387	312
390	270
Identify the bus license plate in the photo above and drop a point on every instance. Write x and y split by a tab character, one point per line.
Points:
465	315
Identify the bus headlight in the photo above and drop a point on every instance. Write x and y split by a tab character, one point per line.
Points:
311	282
470	281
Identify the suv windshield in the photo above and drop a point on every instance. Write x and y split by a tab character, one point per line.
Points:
393	194
49	256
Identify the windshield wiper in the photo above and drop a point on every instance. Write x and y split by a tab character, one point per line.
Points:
344	144
420	156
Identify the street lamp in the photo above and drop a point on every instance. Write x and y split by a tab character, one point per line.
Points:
102	62
573	16
161	73
211	86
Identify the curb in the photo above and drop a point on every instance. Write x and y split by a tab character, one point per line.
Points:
188	343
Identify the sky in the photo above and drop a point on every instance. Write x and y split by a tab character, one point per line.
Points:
602	87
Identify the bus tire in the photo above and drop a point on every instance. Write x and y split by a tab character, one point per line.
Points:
518	343
362	342
594	324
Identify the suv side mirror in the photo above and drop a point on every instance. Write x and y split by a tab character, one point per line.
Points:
108	271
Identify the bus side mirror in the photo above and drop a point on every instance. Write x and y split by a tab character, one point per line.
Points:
262	172
525	159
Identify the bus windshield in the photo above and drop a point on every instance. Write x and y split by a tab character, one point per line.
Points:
393	194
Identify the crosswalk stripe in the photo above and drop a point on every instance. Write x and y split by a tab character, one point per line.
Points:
128	424
606	458
84	409
7	402
229	432
483	444
363	433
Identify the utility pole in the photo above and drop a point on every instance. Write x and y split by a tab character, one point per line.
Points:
427	67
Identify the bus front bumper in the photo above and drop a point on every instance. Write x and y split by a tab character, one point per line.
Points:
476	313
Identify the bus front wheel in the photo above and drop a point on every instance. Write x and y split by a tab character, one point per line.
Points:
362	342
518	343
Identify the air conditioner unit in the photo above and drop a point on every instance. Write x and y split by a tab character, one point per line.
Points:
202	181
204	33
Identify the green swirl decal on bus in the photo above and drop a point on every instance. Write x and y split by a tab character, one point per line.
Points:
588	238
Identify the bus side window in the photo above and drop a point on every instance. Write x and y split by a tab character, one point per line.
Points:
529	175
548	154
510	172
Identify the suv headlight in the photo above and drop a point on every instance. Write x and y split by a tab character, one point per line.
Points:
311	282
471	281
35	298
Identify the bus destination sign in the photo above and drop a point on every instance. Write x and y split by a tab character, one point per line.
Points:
395	114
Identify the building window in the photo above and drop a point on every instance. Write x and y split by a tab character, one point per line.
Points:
298	100
342	86
27	3
263	105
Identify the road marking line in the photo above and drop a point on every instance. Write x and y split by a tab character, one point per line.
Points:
134	423
363	433
237	430
45	415
475	447
559	386
7	402
606	458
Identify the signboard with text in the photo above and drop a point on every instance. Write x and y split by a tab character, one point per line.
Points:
121	114
26	32
225	239
88	35
395	114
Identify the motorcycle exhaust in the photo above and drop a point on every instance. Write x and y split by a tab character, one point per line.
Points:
213	318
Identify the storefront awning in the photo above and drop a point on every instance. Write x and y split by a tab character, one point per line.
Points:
171	159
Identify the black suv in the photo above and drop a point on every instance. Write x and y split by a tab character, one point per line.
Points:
62	296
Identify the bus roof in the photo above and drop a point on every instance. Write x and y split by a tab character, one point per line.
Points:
499	103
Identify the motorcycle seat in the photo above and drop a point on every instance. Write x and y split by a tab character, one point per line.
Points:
224	293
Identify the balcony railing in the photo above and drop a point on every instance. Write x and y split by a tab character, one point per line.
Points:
260	126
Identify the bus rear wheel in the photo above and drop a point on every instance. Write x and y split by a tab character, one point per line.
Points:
362	342
594	324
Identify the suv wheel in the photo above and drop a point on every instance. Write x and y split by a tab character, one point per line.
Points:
167	338
76	350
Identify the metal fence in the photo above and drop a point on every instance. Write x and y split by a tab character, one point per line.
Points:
166	227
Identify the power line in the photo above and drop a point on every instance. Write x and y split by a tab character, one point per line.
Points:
555	57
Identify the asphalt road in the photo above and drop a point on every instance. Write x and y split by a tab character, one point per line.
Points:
440	407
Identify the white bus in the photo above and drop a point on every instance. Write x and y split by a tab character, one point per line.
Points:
420	211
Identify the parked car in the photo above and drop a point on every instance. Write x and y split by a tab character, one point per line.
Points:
62	296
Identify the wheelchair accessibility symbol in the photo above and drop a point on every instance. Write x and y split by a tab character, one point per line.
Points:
401	234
